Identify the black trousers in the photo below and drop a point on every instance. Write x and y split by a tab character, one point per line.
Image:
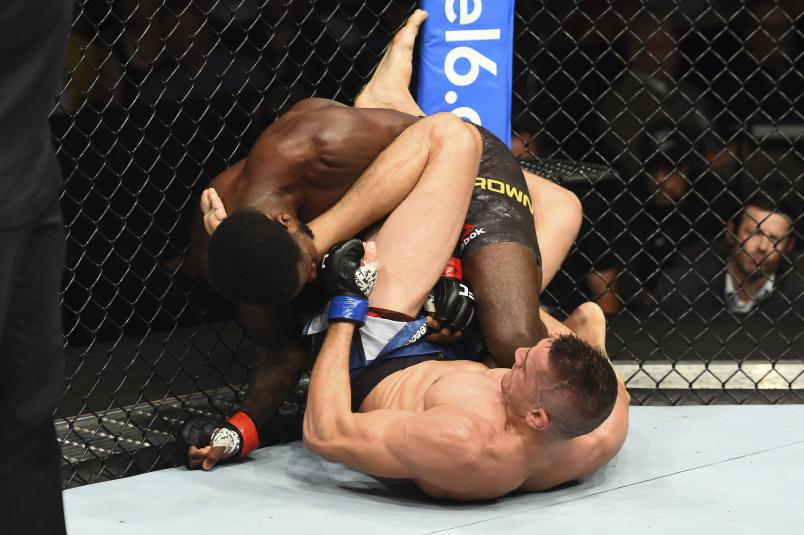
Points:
31	374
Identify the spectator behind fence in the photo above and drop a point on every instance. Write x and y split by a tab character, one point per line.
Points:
641	227
90	73
763	80
136	46
527	140
754	274
651	91
196	65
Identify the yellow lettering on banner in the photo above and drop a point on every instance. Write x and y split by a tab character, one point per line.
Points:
511	191
491	183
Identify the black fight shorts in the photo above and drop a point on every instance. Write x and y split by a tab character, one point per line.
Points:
501	209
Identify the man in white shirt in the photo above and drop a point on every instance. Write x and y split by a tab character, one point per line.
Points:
750	277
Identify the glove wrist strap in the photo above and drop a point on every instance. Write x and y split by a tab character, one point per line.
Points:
348	308
454	269
244	424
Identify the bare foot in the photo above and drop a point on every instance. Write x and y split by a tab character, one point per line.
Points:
389	85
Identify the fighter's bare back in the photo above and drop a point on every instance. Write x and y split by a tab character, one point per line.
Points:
312	154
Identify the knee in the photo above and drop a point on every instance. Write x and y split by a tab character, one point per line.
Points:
503	341
451	130
589	323
572	210
591	315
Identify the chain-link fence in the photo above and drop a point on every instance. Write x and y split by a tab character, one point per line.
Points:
694	109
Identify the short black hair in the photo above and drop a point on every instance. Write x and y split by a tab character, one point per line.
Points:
772	201
253	259
588	386
768	181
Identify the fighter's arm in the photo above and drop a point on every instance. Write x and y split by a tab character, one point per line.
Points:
443	450
386	183
279	358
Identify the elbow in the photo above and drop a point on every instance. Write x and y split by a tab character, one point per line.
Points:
312	437
321	438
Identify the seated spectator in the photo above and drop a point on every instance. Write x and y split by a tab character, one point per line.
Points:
196	65
136	46
90	75
751	277
642	227
762	83
651	91
527	141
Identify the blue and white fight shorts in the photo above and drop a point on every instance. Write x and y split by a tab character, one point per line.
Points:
381	339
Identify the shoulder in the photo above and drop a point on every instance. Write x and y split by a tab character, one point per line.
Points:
308	131
464	430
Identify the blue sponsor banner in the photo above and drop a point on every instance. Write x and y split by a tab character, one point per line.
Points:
465	63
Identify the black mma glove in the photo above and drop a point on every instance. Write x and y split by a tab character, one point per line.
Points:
348	281
238	435
450	301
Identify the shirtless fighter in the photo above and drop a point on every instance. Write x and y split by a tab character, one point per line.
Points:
305	162
458	429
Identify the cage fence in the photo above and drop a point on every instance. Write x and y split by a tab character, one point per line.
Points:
692	110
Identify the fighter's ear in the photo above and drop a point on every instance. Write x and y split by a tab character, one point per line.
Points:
538	419
791	244
284	219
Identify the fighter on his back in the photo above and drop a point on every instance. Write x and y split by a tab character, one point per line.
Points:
457	428
304	163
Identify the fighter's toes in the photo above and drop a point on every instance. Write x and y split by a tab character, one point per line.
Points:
406	37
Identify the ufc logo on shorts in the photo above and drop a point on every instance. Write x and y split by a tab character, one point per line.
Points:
324	261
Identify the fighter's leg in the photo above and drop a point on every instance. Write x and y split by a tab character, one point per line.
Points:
389	84
416	240
506	280
558	216
558	211
589	322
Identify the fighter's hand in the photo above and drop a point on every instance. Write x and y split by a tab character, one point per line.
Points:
209	442
439	333
450	305
206	457
212	210
349	270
